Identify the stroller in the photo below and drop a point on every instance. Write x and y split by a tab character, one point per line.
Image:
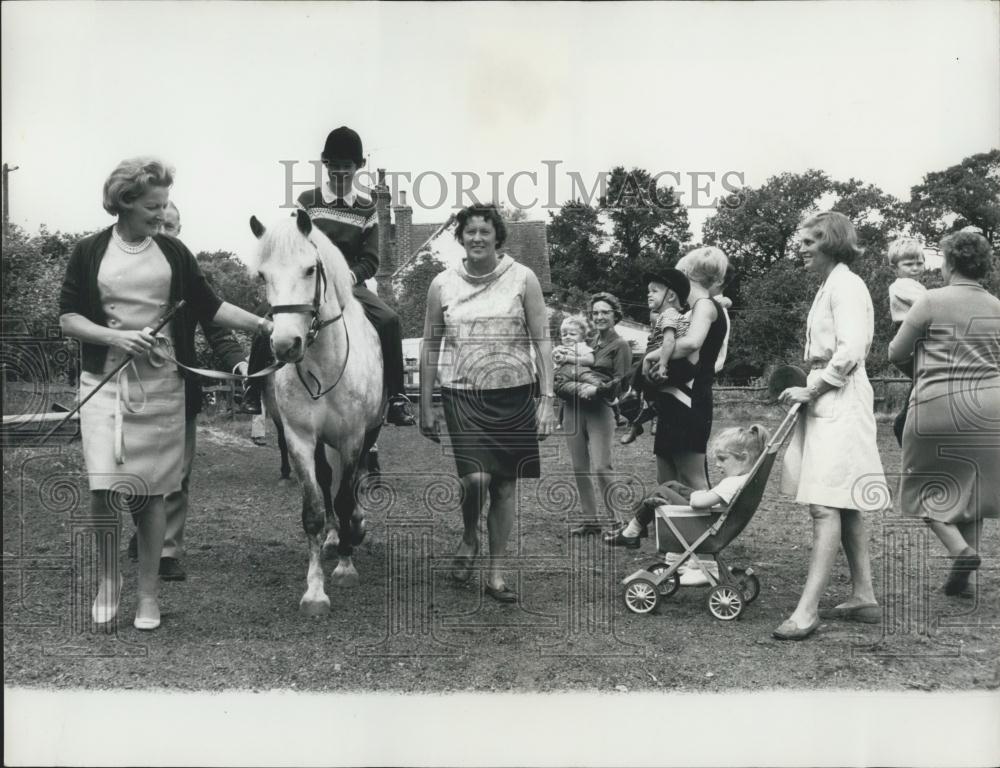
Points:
689	535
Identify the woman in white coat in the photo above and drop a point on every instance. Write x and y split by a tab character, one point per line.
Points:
832	463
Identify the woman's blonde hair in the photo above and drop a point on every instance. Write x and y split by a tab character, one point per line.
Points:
579	321
903	247
750	440
706	266
132	179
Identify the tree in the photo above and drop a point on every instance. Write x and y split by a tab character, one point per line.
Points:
964	194
772	291
231	279
33	270
648	227
760	233
512	214
575	258
411	305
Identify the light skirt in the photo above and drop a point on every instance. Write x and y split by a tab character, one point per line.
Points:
151	446
832	459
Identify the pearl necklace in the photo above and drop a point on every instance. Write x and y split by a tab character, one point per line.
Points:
130	247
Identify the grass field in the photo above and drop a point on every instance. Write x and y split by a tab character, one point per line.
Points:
234	624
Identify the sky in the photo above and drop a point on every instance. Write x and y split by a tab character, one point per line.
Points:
225	92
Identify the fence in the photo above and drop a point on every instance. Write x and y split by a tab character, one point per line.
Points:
890	391
890	394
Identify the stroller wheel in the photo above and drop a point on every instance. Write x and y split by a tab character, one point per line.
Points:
748	583
725	602
641	596
668	586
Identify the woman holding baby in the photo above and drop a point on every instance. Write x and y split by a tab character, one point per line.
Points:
588	418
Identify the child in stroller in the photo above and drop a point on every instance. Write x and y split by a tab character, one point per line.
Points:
736	451
692	523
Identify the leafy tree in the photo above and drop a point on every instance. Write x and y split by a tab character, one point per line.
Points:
964	194
411	305
648	227
33	270
512	214
760	233
575	239
771	327
233	283
771	291
231	279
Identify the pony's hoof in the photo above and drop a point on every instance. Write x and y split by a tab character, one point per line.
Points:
284	482
314	607
330	545
345	577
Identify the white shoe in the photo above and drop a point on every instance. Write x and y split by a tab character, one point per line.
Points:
103	613
694	576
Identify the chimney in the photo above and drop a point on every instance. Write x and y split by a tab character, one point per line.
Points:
404	229
386	263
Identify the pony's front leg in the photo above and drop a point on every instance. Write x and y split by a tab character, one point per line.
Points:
344	502
315	601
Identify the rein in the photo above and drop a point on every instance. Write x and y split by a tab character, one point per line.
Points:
315	327
315	392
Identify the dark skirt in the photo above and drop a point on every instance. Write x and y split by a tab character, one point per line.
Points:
682	428
493	430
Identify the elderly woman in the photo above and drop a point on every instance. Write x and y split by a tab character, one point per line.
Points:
118	284
589	421
951	442
483	317
832	463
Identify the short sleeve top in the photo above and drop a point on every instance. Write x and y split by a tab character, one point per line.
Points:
486	342
728	487
670	319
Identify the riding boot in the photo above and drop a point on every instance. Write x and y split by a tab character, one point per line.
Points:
391	337
260	358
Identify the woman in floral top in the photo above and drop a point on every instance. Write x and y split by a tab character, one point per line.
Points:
483	317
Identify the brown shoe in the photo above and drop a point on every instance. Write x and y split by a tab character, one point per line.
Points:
171	569
633	432
961	569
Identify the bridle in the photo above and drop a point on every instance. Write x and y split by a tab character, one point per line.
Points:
315	326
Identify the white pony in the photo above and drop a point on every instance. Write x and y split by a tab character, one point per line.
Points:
330	393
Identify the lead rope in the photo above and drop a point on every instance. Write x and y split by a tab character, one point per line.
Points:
320	392
123	402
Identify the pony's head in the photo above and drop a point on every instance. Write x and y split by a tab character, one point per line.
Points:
305	278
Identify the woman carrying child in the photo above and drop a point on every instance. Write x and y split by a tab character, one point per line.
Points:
685	412
951	338
666	295
736	450
588	420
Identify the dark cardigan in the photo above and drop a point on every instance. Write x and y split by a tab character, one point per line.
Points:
81	295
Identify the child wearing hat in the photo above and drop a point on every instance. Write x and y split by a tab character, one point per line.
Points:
666	295
349	220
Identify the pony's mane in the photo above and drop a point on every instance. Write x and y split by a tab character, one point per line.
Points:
285	236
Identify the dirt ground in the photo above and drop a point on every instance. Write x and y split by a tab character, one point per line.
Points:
235	624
